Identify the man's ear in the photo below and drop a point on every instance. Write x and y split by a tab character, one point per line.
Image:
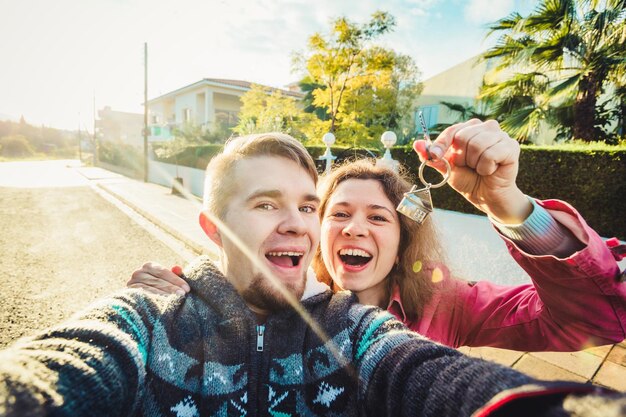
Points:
210	228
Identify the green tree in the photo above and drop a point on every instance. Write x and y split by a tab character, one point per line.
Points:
363	88
563	55
266	110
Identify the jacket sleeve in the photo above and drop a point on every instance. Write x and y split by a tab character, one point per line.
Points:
404	374
573	303
91	365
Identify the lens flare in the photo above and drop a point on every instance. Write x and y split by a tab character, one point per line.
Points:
417	266
437	275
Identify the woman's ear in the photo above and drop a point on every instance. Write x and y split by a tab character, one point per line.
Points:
210	228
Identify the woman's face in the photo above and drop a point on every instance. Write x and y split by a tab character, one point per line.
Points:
360	237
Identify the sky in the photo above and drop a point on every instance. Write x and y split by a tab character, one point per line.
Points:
57	56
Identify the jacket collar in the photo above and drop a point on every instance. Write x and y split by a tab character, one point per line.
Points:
395	306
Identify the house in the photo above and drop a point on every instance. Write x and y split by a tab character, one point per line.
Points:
461	84
118	126
210	103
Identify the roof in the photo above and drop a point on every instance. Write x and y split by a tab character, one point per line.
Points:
238	84
248	85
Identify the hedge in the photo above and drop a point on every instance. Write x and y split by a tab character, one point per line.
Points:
197	156
122	155
593	181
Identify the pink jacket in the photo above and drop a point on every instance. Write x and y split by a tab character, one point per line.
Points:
575	303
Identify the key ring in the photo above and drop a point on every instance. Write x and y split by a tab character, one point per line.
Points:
418	204
439	184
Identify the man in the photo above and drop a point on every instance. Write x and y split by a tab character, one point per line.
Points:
237	346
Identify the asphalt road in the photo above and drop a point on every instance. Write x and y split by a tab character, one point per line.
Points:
61	246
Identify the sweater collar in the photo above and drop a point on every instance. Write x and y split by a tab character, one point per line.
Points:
209	284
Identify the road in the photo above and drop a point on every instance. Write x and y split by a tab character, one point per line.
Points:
62	246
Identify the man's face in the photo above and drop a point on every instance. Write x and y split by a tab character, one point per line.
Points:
274	213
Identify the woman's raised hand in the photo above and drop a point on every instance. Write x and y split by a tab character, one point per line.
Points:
484	162
157	279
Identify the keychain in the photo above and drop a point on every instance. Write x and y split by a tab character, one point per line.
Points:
418	204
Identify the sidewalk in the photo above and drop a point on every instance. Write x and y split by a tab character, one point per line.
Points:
605	365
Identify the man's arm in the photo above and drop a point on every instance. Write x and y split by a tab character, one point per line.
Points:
404	374
91	365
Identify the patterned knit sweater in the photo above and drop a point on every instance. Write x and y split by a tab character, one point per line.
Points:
203	355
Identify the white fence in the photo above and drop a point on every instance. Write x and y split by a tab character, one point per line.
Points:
164	174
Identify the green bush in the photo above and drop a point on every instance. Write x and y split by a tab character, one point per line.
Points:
122	155
197	156
593	181
16	146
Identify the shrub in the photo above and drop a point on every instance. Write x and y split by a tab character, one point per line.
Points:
16	146
122	155
196	156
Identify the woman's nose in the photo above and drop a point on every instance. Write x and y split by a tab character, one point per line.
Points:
355	228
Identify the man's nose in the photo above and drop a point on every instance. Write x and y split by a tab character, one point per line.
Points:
355	228
293	223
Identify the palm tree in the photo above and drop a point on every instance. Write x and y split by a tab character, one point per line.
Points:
569	52
481	110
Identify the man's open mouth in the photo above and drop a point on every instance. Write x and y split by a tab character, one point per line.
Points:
285	259
354	257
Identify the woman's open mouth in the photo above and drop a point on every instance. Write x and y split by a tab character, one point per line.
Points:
285	259
354	258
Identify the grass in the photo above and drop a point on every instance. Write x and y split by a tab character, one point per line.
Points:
40	156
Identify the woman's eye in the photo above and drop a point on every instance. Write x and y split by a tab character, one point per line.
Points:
379	218
339	214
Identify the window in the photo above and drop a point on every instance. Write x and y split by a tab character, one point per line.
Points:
186	115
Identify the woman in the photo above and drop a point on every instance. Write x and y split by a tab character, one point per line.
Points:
390	261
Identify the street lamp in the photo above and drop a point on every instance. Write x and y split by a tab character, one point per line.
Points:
329	140
388	139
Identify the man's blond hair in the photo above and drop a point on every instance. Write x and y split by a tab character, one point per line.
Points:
219	185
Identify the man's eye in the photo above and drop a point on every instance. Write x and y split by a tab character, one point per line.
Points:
308	209
265	206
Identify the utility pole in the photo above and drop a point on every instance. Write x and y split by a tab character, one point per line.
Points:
145	112
80	153
95	138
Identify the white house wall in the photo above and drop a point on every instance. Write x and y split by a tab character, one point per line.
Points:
182	102
209	106
227	102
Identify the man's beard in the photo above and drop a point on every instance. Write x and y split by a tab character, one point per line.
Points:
262	294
